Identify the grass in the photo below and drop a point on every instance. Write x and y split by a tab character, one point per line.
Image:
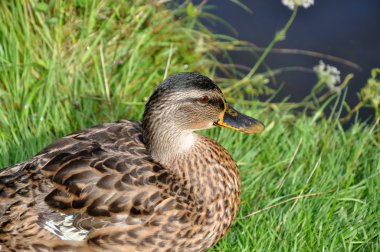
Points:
308	184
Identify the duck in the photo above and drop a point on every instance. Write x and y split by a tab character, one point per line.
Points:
153	186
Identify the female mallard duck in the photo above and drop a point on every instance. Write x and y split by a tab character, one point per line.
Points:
125	186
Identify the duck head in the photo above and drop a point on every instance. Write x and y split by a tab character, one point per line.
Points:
182	104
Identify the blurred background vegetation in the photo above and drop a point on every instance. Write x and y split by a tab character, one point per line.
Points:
340	32
308	182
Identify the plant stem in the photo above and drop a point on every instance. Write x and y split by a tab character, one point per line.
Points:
356	108
279	36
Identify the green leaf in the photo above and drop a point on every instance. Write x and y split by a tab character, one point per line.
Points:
191	10
43	7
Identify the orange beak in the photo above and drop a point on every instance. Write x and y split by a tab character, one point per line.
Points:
233	119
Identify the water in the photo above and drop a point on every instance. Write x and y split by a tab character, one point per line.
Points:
347	29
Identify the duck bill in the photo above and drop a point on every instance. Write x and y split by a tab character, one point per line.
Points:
233	119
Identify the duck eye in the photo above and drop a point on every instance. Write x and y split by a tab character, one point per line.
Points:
204	99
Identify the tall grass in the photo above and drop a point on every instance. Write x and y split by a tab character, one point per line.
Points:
308	184
65	65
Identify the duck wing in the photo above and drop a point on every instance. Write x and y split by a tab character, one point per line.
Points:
97	178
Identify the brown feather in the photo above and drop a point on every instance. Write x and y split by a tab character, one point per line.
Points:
124	186
105	178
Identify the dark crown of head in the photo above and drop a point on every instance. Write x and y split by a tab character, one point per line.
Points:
186	81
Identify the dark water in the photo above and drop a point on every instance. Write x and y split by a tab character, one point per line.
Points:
349	29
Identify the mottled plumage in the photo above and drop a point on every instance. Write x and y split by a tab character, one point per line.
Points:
102	189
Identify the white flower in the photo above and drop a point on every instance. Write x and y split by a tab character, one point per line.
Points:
328	74
291	3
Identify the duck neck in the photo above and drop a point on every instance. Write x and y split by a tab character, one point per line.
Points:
208	171
166	142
